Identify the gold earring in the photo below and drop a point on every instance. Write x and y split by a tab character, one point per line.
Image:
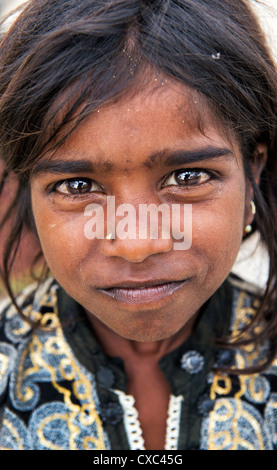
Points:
247	229
253	207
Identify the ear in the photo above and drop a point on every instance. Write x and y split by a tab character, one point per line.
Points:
259	161
257	166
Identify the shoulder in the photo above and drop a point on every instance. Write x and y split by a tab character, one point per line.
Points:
42	383
16	320
16	329
244	412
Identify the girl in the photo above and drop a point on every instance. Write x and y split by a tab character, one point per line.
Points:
163	338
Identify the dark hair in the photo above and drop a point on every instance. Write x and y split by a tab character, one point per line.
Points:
64	56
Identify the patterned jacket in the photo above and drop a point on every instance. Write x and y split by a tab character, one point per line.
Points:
58	390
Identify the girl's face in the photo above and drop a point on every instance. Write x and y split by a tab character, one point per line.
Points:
145	149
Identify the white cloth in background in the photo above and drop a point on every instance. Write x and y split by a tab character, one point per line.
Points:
252	264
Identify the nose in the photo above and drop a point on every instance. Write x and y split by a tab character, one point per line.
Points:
136	250
148	228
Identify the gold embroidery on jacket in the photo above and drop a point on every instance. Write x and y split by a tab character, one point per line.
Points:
47	357
234	423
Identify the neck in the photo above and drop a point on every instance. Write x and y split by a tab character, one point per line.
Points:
115	345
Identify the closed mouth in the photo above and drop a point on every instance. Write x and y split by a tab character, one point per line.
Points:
136	293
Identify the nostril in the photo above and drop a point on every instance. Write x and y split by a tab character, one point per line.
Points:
136	251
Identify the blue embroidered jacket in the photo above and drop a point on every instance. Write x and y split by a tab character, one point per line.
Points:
58	390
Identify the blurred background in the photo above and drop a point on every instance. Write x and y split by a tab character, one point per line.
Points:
267	14
8	5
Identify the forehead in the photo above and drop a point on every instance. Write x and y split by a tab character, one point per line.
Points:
152	119
166	102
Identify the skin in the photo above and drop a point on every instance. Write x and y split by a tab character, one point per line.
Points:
147	324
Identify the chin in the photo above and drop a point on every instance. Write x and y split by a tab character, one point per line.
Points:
150	333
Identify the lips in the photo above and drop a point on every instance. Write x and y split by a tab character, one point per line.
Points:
139	293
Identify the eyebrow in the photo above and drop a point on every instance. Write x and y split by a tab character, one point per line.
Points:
179	157
71	166
165	158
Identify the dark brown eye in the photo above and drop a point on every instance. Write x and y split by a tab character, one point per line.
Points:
187	178
77	186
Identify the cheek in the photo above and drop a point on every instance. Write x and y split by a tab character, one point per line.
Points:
217	234
62	240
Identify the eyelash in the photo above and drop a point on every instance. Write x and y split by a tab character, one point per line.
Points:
90	182
199	171
171	177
